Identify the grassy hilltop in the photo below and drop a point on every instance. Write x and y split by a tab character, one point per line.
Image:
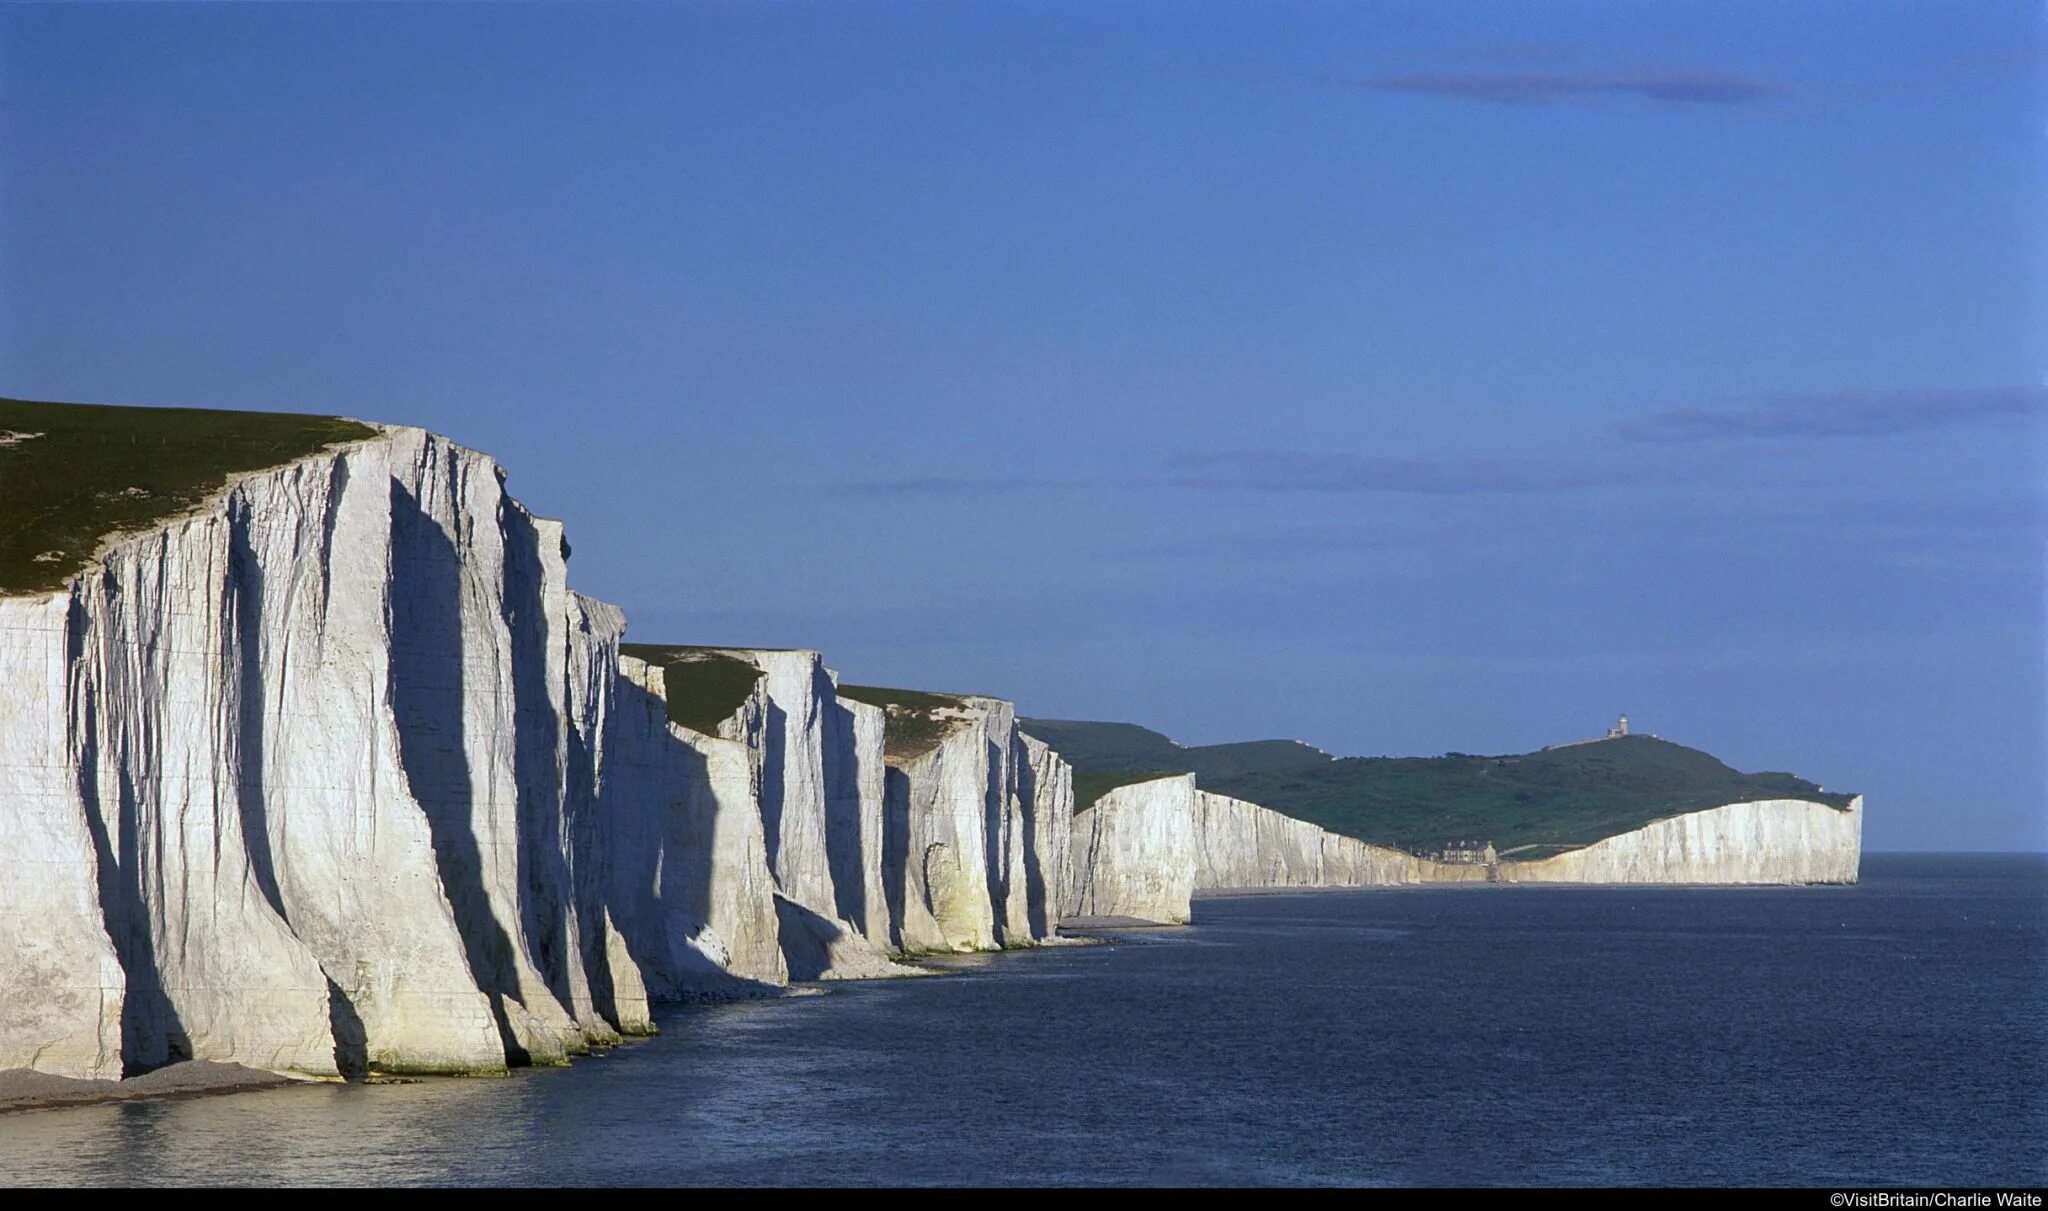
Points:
73	474
1126	746
1528	804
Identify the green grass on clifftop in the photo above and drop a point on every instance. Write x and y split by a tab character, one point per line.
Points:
915	724
1529	805
73	474
1091	785
703	686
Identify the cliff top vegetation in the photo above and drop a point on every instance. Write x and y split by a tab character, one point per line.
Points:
703	686
918	719
1092	785
1529	805
71	475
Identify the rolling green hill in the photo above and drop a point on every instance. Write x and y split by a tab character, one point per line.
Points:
1088	745
1126	746
1528	805
73	474
1090	785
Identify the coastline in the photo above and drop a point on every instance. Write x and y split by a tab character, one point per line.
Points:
1233	893
24	1089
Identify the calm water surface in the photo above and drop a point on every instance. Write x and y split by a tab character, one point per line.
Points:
1892	1032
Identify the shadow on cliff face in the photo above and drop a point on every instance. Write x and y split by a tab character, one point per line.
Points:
592	837
632	810
245	581
774	768
845	832
895	848
148	1020
995	838
351	1039
1034	859
544	879
245	577
664	813
806	939
428	703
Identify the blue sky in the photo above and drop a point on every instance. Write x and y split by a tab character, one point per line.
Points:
1399	377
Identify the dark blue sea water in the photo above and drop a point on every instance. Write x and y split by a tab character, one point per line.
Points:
1893	1032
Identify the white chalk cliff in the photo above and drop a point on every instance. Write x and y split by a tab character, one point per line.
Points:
815	765
1141	851
969	819
301	766
690	886
855	798
1134	853
1240	844
1768	841
1046	788
333	773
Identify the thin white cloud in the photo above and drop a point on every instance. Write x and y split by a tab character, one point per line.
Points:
1843	414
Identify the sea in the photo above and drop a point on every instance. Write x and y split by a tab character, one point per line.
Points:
1894	1032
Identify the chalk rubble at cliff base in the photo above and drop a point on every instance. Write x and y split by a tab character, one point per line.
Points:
334	774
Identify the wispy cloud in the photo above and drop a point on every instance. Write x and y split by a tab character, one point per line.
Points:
2011	58
1283	471
960	485
1843	414
1305	471
1554	88
1703	440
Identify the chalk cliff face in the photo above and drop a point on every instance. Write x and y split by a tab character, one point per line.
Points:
1240	844
1141	851
306	754
1047	788
616	984
690	886
817	770
1134	853
798	848
787	741
855	793
1770	841
60	1003
966	859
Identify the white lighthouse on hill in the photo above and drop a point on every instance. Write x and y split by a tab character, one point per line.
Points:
1618	732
